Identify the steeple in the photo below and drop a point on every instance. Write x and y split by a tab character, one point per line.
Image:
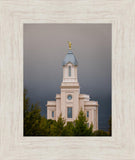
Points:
69	44
70	67
70	58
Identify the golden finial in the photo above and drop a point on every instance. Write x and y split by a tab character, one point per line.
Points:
69	44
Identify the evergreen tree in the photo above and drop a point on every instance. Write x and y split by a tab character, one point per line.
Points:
100	133
50	125
32	118
90	130
35	125
44	127
68	129
57	129
81	128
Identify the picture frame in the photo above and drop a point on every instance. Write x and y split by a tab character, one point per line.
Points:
13	145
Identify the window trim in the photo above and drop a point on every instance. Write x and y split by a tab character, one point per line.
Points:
68	112
52	114
87	114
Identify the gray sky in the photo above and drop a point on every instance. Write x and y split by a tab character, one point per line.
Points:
45	46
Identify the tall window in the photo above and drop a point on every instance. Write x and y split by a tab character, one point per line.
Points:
87	113
69	112
69	71
52	113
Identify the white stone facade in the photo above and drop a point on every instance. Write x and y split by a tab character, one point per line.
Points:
70	101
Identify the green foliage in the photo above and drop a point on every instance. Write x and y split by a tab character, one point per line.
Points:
58	128
90	130
36	125
50	125
43	127
100	133
32	118
69	129
110	126
81	128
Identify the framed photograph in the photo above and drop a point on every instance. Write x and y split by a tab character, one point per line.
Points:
55	35
60	74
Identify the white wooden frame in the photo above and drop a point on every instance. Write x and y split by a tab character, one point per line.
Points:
13	14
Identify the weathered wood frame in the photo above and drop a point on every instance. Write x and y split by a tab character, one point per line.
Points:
13	14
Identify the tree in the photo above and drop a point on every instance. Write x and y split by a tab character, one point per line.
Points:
44	127
36	125
68	129
57	129
81	128
90	130
50	125
32	117
100	133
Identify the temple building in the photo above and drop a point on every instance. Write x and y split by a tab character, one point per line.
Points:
70	101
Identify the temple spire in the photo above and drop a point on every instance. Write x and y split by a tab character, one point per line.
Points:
70	57
69	44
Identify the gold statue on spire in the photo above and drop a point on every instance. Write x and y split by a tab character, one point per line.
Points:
69	44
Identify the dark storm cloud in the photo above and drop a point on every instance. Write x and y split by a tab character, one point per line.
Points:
45	46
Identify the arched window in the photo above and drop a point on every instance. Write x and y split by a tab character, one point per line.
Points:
69	71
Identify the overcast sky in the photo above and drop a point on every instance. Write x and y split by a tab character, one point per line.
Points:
45	46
